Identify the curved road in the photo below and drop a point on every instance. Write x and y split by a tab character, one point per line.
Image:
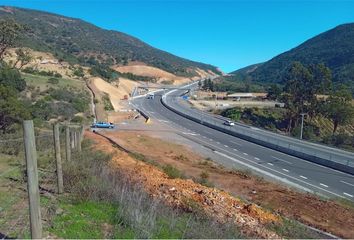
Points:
290	170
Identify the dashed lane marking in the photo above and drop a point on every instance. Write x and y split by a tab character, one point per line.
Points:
286	170
282	160
257	158
347	183
303	177
324	185
271	164
246	154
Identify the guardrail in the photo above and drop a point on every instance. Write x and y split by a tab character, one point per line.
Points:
332	159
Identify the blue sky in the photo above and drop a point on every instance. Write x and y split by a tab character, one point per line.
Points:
228	34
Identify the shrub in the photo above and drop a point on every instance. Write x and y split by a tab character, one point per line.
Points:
172	172
53	80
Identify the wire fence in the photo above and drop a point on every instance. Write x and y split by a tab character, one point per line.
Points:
14	194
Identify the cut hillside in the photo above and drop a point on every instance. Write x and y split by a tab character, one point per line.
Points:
44	61
77	41
110	96
334	48
159	75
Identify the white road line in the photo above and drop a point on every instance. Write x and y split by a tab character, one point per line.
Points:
274	176
245	154
347	194
217	142
210	139
271	164
347	183
286	170
236	143
323	185
204	137
282	160
226	146
235	149
303	177
257	158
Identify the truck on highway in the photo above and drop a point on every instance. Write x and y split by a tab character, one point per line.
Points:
102	125
150	96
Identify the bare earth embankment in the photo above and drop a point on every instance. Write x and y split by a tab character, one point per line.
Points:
188	195
329	216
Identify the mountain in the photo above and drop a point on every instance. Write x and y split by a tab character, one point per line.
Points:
334	48
75	40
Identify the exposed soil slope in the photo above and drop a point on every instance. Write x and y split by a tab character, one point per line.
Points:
307	208
189	195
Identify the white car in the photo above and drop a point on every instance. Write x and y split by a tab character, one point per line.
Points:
229	123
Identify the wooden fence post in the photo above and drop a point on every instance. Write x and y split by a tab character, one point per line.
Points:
72	139
78	133
67	144
58	158
32	179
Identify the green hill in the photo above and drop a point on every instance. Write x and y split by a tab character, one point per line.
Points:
334	48
78	41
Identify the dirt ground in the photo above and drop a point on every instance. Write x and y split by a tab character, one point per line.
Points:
326	215
189	195
148	71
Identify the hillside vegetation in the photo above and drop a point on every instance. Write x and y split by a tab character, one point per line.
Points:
77	41
334	48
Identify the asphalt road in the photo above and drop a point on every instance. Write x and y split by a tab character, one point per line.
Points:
281	167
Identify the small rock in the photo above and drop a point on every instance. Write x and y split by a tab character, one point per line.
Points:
254	191
173	189
59	211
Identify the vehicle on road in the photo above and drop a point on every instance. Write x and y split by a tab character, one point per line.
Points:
151	96
103	125
229	123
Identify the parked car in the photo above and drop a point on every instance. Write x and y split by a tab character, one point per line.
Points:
229	123
103	125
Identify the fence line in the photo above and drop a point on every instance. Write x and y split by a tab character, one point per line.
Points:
49	168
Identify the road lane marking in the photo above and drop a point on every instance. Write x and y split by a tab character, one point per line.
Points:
235	149
226	146
347	194
323	185
282	160
286	170
273	170
347	183
217	142
210	139
236	143
303	177
204	137
271	164
245	154
257	158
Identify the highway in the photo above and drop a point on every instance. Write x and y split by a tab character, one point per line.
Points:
289	170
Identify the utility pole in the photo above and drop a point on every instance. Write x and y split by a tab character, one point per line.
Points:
302	123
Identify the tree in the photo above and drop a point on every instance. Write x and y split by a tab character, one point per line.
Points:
298	82
23	57
9	32
12	110
11	78
199	84
339	108
274	92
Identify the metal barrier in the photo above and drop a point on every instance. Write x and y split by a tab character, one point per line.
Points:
323	155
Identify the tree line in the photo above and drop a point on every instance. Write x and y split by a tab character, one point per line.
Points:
309	90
